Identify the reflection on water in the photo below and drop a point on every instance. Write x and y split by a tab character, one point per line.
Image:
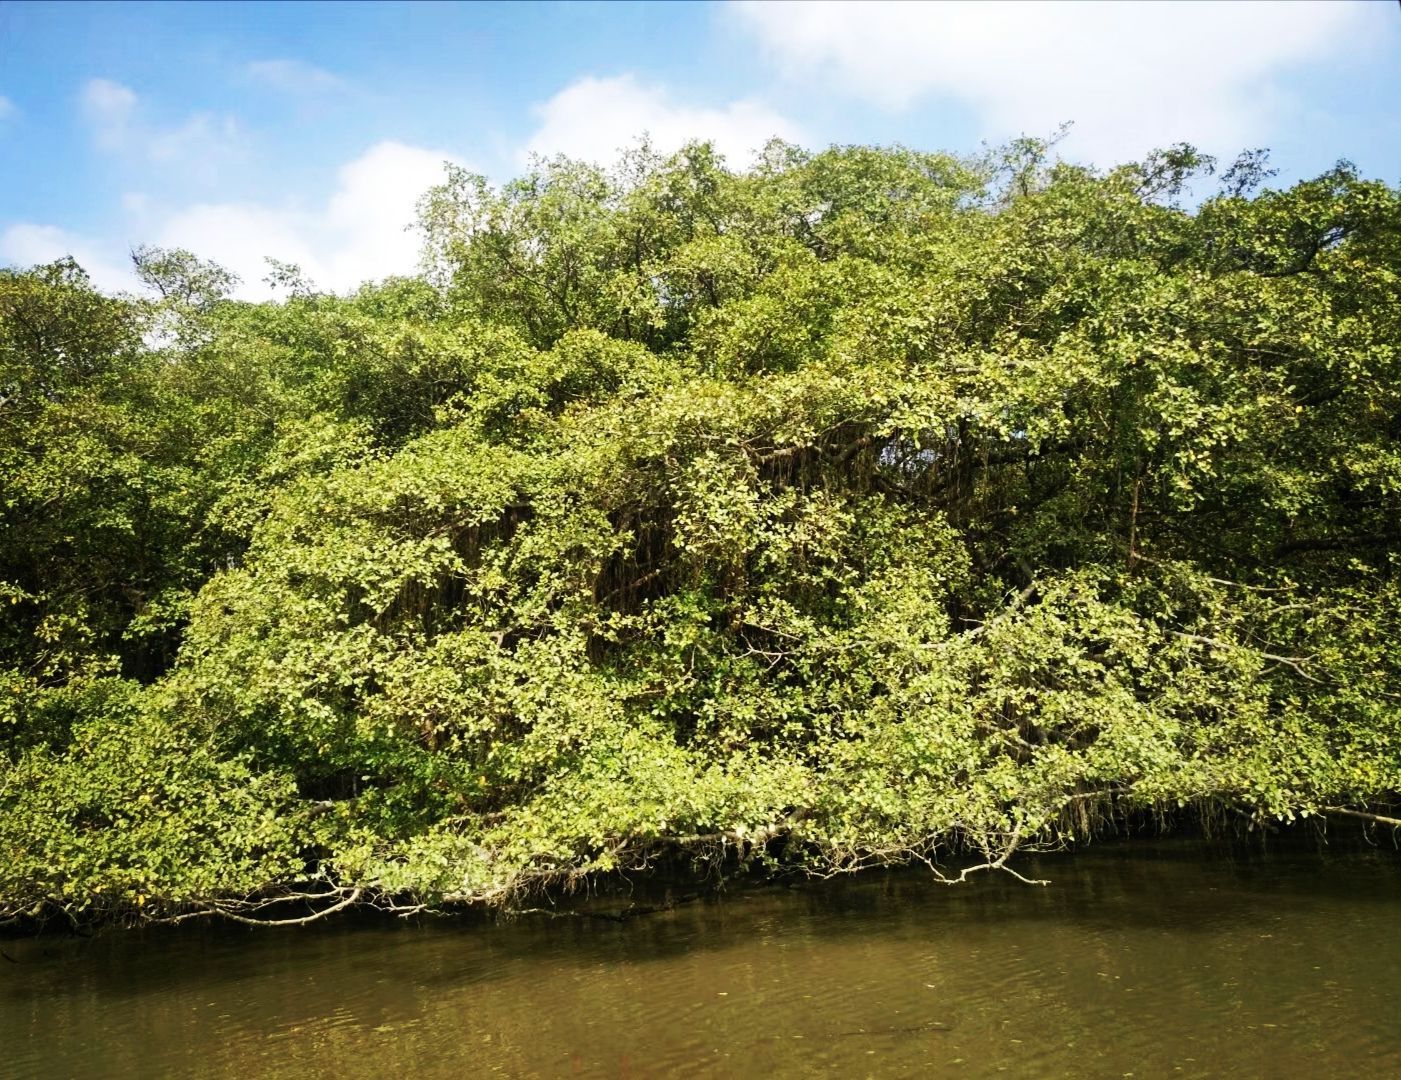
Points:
1170	961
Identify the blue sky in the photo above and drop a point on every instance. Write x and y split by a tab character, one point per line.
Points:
306	132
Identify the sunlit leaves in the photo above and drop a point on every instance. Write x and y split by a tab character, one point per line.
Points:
863	506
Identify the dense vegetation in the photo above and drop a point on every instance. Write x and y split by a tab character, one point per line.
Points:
861	507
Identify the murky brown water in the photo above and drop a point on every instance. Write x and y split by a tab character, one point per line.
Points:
1174	960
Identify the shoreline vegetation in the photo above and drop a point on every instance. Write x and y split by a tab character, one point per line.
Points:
860	508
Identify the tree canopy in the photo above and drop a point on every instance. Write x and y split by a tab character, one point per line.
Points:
854	508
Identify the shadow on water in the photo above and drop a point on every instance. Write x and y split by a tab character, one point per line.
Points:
1163	957
1100	886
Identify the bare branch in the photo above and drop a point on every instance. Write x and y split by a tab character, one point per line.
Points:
1378	819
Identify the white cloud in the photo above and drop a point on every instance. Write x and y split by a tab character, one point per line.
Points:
7	107
109	108
27	245
204	142
373	205
1131	76
360	233
294	77
594	119
203	139
240	236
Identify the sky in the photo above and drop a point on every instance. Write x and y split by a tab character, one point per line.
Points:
307	132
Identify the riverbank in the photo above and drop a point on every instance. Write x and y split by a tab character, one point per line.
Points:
665	883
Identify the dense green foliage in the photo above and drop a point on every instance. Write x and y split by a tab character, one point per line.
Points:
859	507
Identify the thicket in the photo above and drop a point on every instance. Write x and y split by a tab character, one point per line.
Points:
859	507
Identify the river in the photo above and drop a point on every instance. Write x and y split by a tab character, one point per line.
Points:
1167	959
